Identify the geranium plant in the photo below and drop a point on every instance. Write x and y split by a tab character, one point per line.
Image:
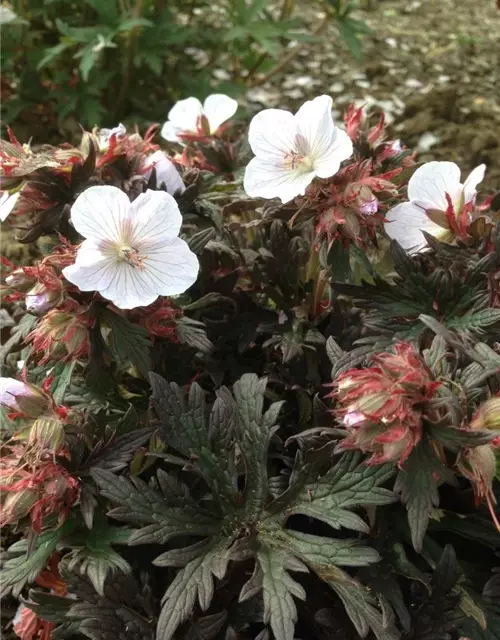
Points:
251	386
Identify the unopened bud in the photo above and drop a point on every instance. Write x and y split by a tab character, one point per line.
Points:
17	505
39	299
372	402
488	416
23	397
19	281
47	434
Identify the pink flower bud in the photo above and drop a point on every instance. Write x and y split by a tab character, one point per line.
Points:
39	299
382	406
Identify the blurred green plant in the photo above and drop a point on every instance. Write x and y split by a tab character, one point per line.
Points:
96	62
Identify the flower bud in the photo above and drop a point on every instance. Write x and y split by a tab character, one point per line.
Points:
39	299
61	335
23	397
17	505
488	415
47	434
381	407
19	280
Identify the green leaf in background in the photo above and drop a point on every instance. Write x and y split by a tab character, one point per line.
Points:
130	341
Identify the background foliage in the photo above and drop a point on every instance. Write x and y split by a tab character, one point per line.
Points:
98	62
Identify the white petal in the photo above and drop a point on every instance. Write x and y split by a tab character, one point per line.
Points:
93	269
264	179
272	134
170	266
9	389
170	132
470	185
340	150
105	134
166	172
432	181
7	204
218	108
185	113
129	289
102	213
315	123
155	214
405	223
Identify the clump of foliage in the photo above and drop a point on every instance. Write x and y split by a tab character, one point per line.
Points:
301	443
97	62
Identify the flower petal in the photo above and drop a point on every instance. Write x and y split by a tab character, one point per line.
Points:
185	113
272	135
166	172
104	135
432	181
265	179
155	214
170	132
405	223
170	267
341	149
93	269
9	389
470	185
315	123
129	288
7	204
218	108
101	213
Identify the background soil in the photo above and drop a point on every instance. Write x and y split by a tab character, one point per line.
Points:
433	66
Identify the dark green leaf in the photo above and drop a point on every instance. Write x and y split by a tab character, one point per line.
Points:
131	342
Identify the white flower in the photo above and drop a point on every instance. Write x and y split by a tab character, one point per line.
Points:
131	254
427	191
291	150
187	116
7	203
104	135
7	16
166	172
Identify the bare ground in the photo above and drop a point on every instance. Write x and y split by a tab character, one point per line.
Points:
433	66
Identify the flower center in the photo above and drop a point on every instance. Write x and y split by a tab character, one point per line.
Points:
131	256
295	160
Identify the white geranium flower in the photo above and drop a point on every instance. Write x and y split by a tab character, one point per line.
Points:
132	253
104	135
190	117
292	150
427	206
7	203
166	172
